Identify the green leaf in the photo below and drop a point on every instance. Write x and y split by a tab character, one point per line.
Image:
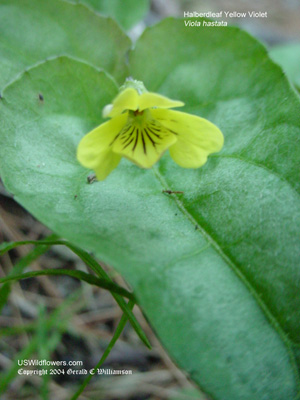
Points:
215	270
126	12
288	56
20	265
86	258
34	30
91	279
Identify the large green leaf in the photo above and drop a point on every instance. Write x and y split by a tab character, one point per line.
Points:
34	30
216	269
126	12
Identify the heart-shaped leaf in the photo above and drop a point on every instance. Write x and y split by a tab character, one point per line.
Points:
34	30
215	269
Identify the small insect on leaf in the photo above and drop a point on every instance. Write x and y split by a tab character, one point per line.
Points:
172	191
91	179
41	97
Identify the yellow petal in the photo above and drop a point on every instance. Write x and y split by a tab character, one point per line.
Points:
144	143
107	162
149	100
95	149
126	100
197	137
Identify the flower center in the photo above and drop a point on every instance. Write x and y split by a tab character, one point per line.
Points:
138	117
143	139
138	112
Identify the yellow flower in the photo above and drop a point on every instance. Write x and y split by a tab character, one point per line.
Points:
141	128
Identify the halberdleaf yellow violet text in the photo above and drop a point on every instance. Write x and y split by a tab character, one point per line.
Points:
141	128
